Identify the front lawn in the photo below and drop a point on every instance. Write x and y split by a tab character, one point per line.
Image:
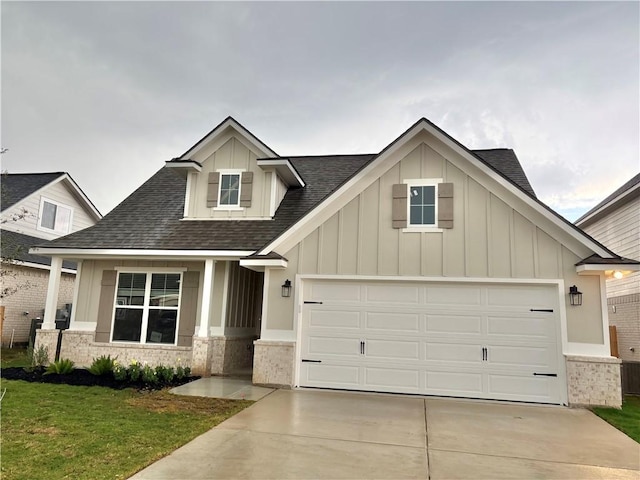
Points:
14	357
59	431
627	419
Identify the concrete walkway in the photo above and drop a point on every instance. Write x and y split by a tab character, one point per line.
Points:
223	387
305	434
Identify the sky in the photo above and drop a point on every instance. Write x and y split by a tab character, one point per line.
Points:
109	91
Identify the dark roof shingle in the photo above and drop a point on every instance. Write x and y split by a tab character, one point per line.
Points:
16	186
505	161
15	246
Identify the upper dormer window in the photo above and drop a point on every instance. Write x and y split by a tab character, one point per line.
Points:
54	217
229	190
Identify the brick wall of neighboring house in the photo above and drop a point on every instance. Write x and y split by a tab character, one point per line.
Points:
624	314
31	299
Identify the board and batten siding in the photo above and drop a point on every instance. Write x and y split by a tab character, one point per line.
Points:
229	153
620	232
244	301
489	240
57	192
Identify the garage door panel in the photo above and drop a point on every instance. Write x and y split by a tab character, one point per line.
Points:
454	324
461	383
333	346
335	318
453	295
453	352
519	296
347	375
527	326
393	322
402	350
334	292
393	294
521	387
405	379
523	356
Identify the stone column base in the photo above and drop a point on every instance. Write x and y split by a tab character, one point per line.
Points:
202	354
78	346
594	381
47	339
273	363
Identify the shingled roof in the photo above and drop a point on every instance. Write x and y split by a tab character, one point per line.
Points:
17	186
15	247
505	162
635	180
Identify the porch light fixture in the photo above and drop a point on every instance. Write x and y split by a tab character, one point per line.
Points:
618	275
286	288
575	297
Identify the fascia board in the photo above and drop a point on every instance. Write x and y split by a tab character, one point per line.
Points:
230	122
391	149
20	263
82	195
107	253
610	205
185	165
599	267
264	262
285	169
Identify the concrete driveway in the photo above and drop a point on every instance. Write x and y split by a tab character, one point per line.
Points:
304	434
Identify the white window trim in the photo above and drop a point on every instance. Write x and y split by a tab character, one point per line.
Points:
42	228
229	172
145	308
422	182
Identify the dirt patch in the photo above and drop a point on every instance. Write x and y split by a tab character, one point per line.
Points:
82	377
165	402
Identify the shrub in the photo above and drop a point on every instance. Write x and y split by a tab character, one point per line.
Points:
134	371
38	357
102	365
119	372
149	375
60	367
180	374
165	374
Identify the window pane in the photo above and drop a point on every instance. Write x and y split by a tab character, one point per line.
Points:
429	195
48	215
229	188
225	182
233	197
428	215
416	215
234	181
416	195
165	289
131	288
127	324
162	326
63	219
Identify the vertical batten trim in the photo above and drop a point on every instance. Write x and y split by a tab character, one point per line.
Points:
536	255
489	236
512	244
378	229
320	256
360	234
465	218
340	234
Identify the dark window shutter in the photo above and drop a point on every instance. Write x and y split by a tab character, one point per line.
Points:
445	205
399	207
246	189
212	189
188	308
105	305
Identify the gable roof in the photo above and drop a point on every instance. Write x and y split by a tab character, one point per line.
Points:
632	185
151	218
18	186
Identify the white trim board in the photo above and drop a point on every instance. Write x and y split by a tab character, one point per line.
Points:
164	254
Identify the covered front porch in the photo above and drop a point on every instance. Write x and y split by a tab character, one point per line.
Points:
204	313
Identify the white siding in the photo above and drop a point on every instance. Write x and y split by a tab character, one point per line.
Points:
58	192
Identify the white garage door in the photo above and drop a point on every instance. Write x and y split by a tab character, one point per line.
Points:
496	341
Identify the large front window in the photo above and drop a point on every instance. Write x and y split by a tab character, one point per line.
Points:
146	309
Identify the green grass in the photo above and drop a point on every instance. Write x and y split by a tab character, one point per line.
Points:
627	419
14	357
60	431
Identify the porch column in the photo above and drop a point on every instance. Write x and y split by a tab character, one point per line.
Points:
76	295
49	321
207	298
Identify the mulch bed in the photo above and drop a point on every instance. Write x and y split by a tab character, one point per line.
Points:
83	377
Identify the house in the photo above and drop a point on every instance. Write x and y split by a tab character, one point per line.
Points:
37	207
616	223
426	268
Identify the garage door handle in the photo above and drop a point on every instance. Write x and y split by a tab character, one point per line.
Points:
546	374
547	310
304	360
315	303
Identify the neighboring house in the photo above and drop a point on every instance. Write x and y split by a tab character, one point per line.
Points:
36	207
427	268
616	223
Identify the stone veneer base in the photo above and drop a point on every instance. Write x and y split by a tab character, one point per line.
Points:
594	381
273	363
49	340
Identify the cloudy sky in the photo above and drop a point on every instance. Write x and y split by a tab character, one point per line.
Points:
109	91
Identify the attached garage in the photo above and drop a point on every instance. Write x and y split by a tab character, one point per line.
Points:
477	339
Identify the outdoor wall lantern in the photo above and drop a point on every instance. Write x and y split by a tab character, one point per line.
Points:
286	288
575	297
